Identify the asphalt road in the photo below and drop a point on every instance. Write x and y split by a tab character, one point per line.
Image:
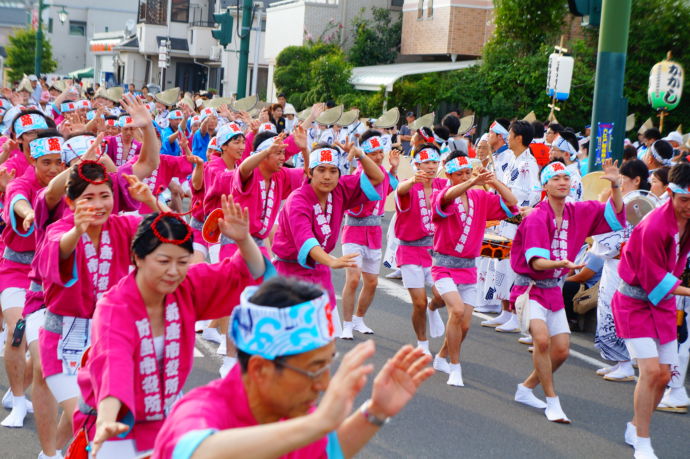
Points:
480	420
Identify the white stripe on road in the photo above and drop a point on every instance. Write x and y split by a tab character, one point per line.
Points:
398	291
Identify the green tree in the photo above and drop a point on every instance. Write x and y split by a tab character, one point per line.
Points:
376	40
329	76
21	52
651	37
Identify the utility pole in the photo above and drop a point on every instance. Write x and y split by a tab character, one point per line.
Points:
38	55
610	107
245	34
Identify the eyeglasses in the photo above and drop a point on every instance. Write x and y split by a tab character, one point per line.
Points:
313	375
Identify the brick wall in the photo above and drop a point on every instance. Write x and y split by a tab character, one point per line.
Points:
451	30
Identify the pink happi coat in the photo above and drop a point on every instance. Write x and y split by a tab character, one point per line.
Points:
413	222
537	236
69	284
460	231
653	259
303	224
17	162
169	167
115	150
121	362
222	404
262	201
369	236
122	201
12	273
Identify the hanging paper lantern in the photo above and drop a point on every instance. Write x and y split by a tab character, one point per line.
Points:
665	85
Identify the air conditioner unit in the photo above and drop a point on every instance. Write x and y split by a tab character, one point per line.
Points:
215	52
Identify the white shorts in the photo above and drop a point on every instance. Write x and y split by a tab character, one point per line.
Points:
368	260
63	387
415	276
12	297
117	449
556	321
468	292
33	323
648	348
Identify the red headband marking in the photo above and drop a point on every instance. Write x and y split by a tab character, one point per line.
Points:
429	138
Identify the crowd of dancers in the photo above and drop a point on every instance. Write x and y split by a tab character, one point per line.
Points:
105	281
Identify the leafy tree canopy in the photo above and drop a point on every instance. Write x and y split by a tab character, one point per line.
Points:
21	52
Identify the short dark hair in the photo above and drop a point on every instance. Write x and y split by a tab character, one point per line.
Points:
451	122
662	174
636	168
538	128
79	173
664	149
145	240
652	134
505	122
369	133
555	127
442	132
280	292
629	152
571	138
259	139
680	175
523	129
453	155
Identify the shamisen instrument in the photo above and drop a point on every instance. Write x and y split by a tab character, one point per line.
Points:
638	204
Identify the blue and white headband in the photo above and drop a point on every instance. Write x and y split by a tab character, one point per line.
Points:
426	155
372	144
268	127
208	111
29	122
677	189
84	103
457	164
68	107
265	145
124	121
175	115
551	170
272	332
322	156
46	146
565	146
658	157
230	130
75	147
498	129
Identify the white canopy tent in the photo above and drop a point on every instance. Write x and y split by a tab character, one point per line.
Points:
373	77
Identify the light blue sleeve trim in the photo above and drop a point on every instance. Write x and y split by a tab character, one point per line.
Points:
127	419
13	217
269	269
333	450
506	209
304	252
393	181
438	211
610	216
185	447
662	289
368	189
75	275
537	252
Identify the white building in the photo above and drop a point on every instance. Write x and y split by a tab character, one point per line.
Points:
83	19
289	22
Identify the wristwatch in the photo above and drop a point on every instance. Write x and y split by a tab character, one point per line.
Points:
378	422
